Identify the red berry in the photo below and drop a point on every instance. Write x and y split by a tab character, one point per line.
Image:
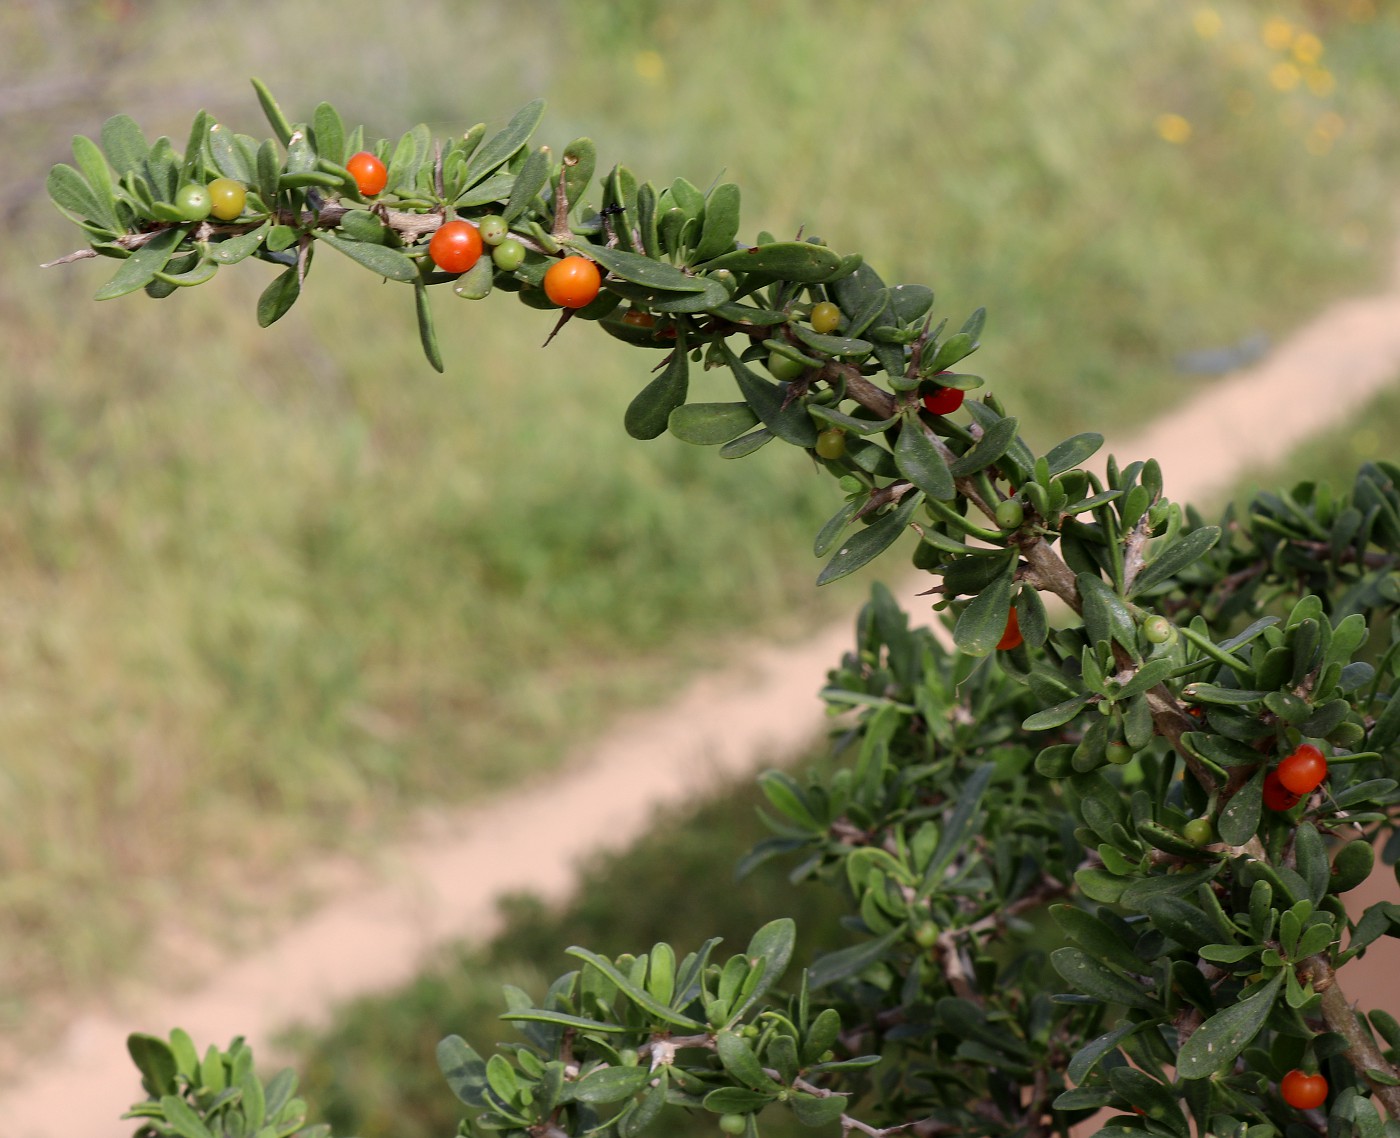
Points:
370	174
572	282
455	246
1302	772
1277	796
1302	1090
944	401
1011	638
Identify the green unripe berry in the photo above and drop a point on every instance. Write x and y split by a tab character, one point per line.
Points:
509	255
193	201
1010	513
493	229
733	1123
1119	753
926	934
1199	831
1158	630
727	279
784	367
831	444
226	198
825	316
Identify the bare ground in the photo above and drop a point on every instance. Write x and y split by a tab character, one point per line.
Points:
384	921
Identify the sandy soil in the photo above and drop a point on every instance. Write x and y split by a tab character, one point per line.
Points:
386	920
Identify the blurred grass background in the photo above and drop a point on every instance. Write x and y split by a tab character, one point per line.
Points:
265	591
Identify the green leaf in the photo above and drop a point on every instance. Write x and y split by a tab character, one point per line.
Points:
329	133
379	259
94	168
798	261
140	268
464	1070
834	527
851	961
774	944
1239	821
1094	978
740	1061
721	224
747	444
650	410
983	623
792	424
529	181
839	346
709	424
610	1084
580	159
995	441
427	334
278	297
1088	1056
919	461
1095	936
124	144
1106	616
231	250
180	1115
1218	1042
155	1060
634	992
738	1100
229	157
956	347
275	118
502	145
269	170
1058	715
863	546
70	191
643	270
817	1110
1073	451
958	830
1166	563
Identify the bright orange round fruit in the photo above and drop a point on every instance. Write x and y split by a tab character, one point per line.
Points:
1303	771
370	174
1302	1090
572	282
455	246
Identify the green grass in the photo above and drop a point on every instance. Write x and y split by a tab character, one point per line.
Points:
264	592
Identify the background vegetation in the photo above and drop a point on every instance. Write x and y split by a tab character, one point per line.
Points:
266	594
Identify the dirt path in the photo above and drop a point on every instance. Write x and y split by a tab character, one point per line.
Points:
443	885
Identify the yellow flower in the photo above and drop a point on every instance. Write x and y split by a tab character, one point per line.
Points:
1284	76
1173	128
1307	48
649	65
1321	82
1277	33
1207	23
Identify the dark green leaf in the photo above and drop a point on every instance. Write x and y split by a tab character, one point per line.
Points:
648	413
774	944
643	270
155	1060
792	424
1166	563
427	334
562	1019
1106	615
231	250
957	832
851	961
278	297
919	461
817	1110
1094	978
124	144
464	1070
379	259
502	145
1095	937
610	1084
983	623
910	301
798	261
71	192
275	118
1088	1056
1058	715
1217	1043
579	162
747	444
709	424
1073	451
721	222
740	1061
954	348
99	179
1239	821
840	346
738	1100
995	441
529	181
140	268
863	546
329	133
